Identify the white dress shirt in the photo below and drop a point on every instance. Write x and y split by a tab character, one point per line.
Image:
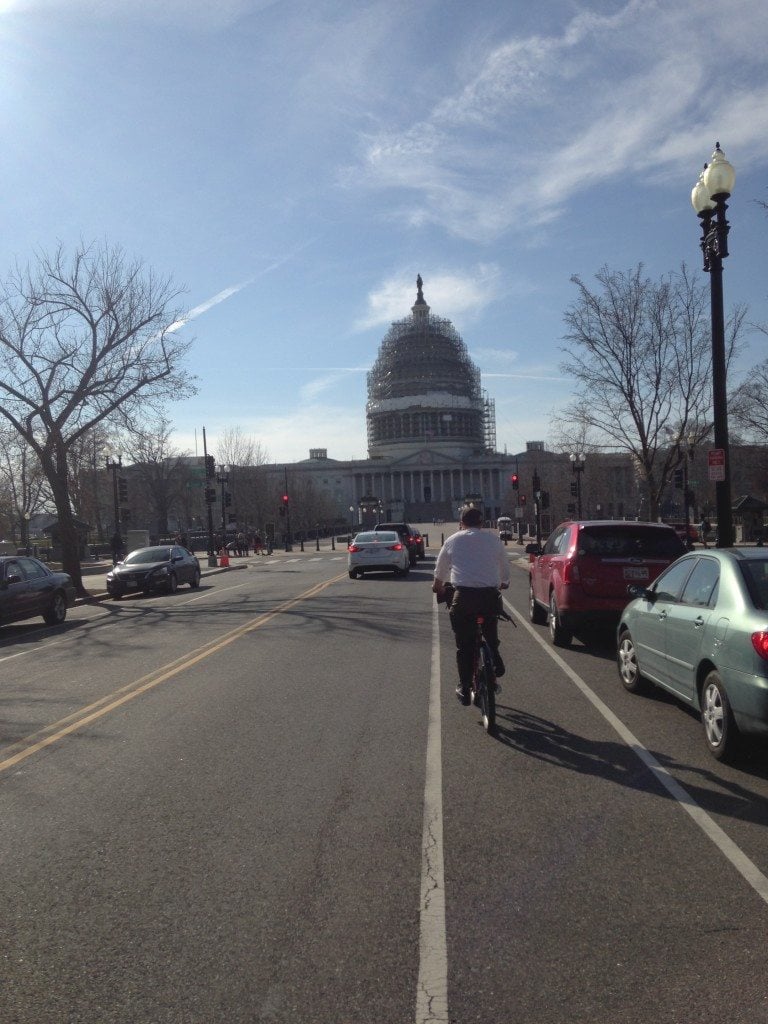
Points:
473	558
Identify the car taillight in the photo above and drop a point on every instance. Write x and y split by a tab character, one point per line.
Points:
760	643
395	547
353	548
571	573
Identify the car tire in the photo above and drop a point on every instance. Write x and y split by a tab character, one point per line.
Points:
406	569
721	733
173	583
57	610
560	635
195	581
630	675
536	613
353	574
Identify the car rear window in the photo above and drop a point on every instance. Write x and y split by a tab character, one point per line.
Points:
380	537
756	574
629	542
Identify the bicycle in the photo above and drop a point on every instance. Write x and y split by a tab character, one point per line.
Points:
483	688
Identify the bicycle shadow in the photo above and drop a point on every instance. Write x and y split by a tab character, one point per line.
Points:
614	761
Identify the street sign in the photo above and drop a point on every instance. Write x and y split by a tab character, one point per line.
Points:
716	464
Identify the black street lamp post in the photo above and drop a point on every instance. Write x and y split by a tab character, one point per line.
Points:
114	464
577	467
709	197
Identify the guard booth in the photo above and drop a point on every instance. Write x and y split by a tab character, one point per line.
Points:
53	531
749	519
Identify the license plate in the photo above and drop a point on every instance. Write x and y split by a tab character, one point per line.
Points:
632	572
131	585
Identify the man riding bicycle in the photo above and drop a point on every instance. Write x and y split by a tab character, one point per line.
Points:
474	564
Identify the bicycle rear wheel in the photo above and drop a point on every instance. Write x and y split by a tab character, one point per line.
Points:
487	690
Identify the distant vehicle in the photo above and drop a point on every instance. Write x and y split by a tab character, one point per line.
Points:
378	551
28	588
506	528
679	528
700	631
582	575
420	547
162	567
406	533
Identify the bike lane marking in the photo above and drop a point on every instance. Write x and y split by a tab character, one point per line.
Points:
746	867
38	741
432	985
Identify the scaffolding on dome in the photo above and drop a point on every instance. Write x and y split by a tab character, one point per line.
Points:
489	422
428	351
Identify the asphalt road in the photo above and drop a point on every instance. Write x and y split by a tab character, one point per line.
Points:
261	801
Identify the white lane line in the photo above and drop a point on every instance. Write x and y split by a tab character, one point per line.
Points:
746	868
432	986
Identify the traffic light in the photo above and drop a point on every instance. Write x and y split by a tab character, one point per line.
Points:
522	499
210	495
227	499
574	489
210	467
572	509
515	481
285	501
679	479
122	489
545	499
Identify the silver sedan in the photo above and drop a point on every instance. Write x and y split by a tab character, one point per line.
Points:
378	552
700	631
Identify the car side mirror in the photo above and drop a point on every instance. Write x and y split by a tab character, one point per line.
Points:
533	549
635	590
13	578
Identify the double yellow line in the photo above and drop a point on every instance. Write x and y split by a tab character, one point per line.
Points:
38	741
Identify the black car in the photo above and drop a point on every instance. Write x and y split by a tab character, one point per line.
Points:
408	537
29	588
420	546
162	567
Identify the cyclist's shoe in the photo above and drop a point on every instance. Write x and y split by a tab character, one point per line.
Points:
498	665
462	694
497	688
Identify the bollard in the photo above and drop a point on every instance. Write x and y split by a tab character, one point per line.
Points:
333	542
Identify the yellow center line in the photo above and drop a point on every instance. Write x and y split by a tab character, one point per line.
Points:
38	741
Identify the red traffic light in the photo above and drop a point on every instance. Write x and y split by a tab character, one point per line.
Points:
515	481
285	499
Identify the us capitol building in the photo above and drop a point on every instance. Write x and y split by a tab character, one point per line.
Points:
431	431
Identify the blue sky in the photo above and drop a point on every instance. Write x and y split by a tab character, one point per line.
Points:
293	165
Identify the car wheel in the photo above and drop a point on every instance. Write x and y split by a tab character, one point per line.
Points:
353	574
173	583
561	636
626	662
195	581
406	569
720	730
57	610
536	613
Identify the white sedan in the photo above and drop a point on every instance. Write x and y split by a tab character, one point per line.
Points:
378	552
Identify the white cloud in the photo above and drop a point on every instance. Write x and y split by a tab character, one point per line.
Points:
542	118
449	293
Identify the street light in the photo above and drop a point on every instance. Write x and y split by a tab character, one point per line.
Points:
708	197
115	462
577	467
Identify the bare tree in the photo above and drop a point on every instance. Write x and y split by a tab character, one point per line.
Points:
234	448
160	470
641	354
82	338
749	404
21	479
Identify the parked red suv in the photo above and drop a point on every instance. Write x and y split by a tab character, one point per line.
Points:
582	575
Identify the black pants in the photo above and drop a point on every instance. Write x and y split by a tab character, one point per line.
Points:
467	604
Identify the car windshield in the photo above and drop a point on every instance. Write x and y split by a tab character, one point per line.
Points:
634	542
382	537
144	555
756	574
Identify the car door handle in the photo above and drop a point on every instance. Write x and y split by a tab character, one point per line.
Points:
698	622
662	615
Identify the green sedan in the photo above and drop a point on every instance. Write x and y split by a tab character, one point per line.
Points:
701	632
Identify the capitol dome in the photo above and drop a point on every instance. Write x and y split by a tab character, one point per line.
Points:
424	391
